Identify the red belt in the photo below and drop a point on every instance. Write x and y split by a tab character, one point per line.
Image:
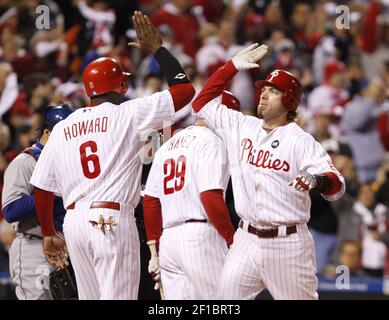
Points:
268	233
99	204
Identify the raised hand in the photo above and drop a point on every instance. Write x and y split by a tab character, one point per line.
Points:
149	39
247	58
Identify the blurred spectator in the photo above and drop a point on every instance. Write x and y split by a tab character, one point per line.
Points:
324	218
215	52
356	77
350	255
286	55
382	182
321	121
365	220
13	52
152	83
180	17
346	167
375	38
383	119
324	53
251	27
101	19
323	226
274	15
50	53
306	30
360	125
211	10
8	88
149	65
39	91
70	93
331	95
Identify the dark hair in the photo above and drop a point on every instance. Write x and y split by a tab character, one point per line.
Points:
292	115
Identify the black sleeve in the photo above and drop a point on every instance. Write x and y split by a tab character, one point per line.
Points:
170	67
323	183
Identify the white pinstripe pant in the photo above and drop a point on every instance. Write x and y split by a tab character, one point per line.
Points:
286	266
191	256
107	266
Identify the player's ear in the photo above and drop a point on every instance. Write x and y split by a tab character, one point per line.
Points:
46	132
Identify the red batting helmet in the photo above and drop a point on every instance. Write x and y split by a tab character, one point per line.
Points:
230	101
285	82
104	75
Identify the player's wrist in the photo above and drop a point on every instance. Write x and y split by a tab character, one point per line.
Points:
323	183
155	48
49	233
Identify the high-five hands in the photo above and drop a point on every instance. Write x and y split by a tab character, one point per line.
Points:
247	58
149	39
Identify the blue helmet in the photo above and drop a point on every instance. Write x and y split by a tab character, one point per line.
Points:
55	114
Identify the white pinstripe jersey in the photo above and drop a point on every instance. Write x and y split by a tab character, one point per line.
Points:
262	164
95	154
192	161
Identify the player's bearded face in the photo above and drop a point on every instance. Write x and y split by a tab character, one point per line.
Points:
270	105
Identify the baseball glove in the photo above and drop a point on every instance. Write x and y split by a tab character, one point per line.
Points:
63	284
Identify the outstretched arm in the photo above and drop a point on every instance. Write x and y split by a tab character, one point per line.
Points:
149	40
244	60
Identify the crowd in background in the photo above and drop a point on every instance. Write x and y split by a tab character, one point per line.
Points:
341	61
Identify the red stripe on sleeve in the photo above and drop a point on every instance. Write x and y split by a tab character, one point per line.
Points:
214	85
152	214
182	94
217	212
44	205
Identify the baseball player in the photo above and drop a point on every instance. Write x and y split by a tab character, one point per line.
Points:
184	196
28	265
93	159
273	165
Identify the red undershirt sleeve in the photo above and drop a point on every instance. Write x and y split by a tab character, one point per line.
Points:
217	212
44	204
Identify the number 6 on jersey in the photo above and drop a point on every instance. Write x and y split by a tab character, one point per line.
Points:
90	164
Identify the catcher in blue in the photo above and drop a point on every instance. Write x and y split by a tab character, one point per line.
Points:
28	266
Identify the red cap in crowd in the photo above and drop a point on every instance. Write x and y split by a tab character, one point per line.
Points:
333	67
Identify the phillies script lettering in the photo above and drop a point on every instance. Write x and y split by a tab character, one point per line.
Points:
261	158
